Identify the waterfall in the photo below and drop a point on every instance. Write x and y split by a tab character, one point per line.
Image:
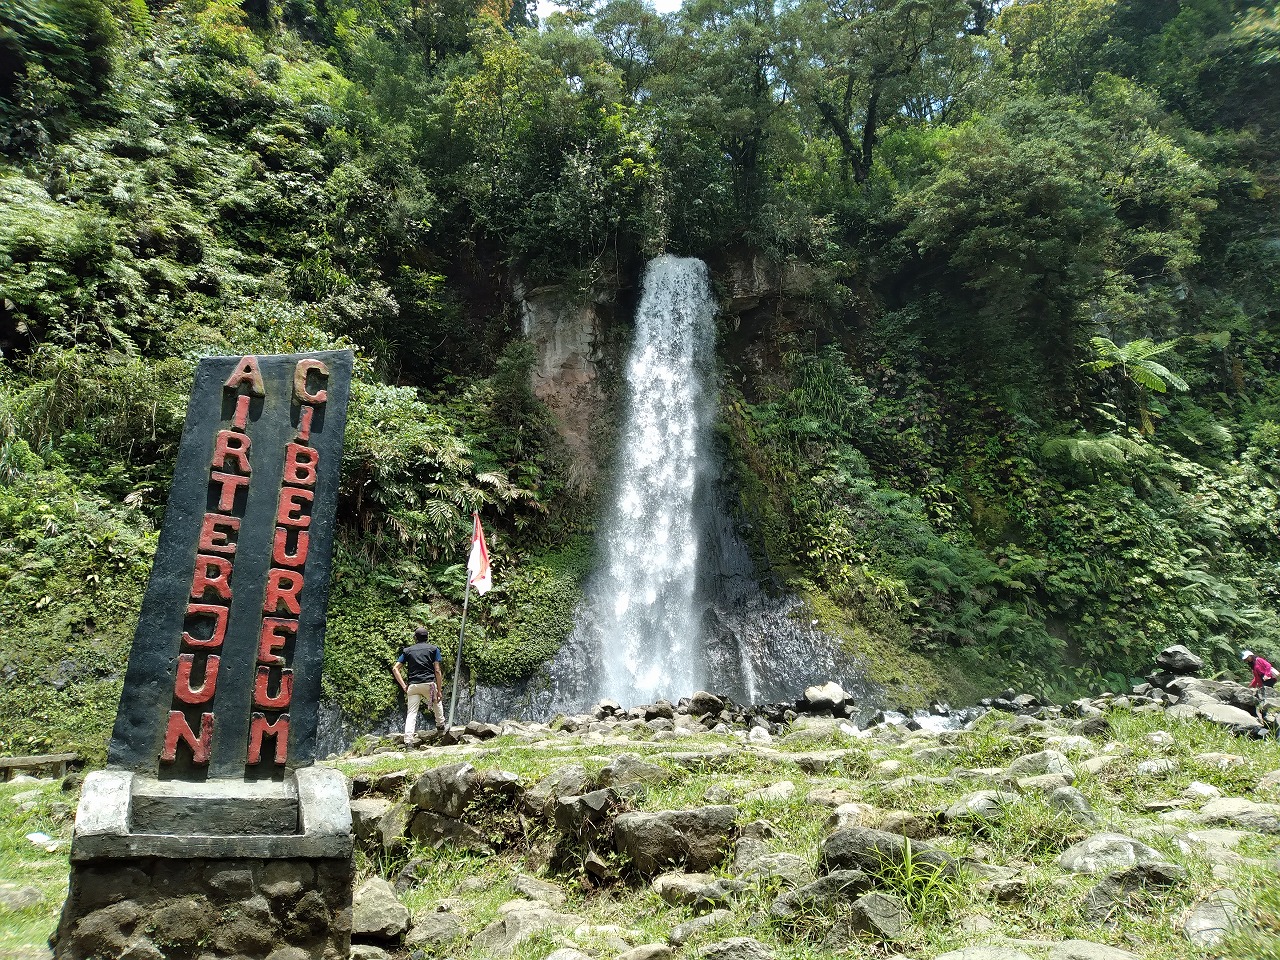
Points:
641	604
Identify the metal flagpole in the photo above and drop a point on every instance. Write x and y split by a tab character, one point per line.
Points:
457	663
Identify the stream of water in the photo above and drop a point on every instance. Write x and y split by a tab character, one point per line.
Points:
641	603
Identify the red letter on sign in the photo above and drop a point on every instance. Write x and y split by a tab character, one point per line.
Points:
183	690
214	540
283	586
211	572
179	729
300	465
300	381
269	640
229	483
261	698
259	728
234	446
219	614
247	373
293	501
281	556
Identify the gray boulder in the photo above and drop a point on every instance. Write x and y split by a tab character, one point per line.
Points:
628	768
982	806
585	814
366	814
1241	813
437	832
446	790
875	851
1107	853
647	951
1179	660
1115	891
879	915
683	932
984	953
787	867
434	929
699	891
518	921
702	703
1208	922
838	886
1087	950
737	948
568	781
1074	804
1038	764
696	840
542	890
828	697
376	912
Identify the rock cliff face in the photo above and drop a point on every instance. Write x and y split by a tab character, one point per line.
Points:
569	332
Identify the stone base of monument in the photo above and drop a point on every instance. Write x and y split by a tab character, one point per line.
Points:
169	870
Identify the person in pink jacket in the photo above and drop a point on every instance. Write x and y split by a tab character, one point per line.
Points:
1264	675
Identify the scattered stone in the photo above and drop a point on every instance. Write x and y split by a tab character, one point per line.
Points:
366	951
984	953
1221	761
1201	791
434	928
1179	661
1160	767
775	793
836	886
1106	853
696	839
1074	804
1086	950
737	948
759	735
880	915
568	953
683	932
984	806
568	781
1037	764
1242	813
828	697
377	913
446	790
13	897
702	703
366	814
628	768
648	951
787	867
535	889
1114	891
1208	922
860	848
518	921
1095	765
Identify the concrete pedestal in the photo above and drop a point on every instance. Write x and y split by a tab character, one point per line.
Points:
177	871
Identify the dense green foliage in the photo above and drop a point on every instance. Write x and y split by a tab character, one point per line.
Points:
948	421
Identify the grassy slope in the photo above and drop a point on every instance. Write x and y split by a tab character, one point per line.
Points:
945	921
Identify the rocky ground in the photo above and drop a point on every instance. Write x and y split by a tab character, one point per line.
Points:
1116	828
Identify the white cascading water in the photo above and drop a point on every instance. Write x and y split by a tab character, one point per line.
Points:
642	599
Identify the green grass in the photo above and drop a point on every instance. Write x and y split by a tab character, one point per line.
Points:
24	864
1029	837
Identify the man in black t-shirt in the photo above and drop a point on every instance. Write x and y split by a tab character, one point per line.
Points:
421	659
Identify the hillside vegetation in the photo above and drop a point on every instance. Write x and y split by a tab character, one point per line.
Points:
1014	406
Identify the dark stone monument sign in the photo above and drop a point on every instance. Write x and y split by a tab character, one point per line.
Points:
210	772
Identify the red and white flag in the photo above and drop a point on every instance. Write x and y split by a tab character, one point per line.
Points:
480	575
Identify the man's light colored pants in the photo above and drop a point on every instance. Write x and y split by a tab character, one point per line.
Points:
415	694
